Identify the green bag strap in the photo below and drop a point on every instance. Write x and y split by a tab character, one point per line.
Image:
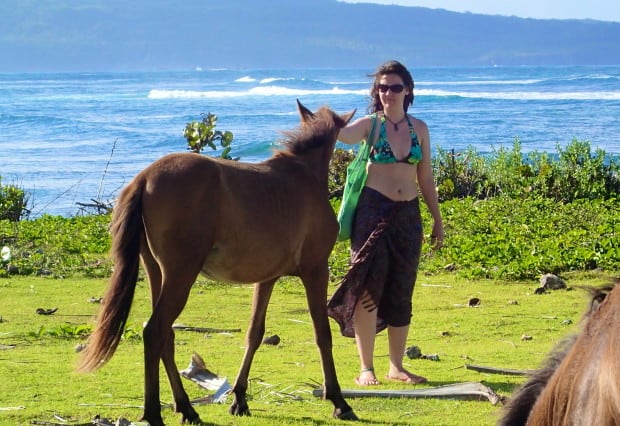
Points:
365	149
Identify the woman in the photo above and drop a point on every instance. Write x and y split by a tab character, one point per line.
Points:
387	233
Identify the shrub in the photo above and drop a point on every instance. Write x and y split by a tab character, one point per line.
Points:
338	171
13	203
575	172
202	133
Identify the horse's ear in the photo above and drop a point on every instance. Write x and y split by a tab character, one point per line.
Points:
348	116
304	112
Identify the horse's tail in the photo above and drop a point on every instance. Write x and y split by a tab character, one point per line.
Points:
126	232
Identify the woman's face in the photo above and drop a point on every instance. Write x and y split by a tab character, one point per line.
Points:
392	91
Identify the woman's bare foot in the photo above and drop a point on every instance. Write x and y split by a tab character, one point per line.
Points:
406	377
367	378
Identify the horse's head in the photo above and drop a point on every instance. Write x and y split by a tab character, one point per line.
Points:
312	143
339	120
318	131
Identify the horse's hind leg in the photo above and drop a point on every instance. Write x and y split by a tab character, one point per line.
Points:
253	338
181	400
315	284
160	339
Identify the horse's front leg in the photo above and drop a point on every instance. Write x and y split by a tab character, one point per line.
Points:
253	338
316	293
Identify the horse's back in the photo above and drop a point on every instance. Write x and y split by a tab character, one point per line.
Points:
253	221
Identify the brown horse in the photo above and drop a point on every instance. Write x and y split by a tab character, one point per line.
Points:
580	383
188	214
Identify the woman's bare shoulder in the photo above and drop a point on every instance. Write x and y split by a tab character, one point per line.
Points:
417	121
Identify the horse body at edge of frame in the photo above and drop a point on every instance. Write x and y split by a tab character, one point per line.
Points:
580	383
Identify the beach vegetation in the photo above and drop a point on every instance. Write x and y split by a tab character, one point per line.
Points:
571	173
13	202
507	216
200	134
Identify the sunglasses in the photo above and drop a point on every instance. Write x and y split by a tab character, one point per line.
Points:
394	88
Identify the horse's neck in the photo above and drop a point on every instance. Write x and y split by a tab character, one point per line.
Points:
313	162
318	164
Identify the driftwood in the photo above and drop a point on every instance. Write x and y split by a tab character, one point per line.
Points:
494	370
464	391
205	329
97	421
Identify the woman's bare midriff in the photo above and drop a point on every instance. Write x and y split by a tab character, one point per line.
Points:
397	181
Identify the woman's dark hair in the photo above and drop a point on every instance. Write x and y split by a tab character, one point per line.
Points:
390	67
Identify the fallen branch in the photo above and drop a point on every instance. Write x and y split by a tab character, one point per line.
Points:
462	391
141	407
494	370
204	329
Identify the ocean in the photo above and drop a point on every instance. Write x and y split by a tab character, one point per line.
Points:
68	138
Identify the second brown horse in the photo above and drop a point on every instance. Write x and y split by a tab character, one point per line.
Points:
580	383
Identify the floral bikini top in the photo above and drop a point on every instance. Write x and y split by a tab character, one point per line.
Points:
381	151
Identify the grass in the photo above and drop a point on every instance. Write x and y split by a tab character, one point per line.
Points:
37	352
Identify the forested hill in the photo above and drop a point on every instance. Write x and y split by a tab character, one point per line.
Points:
99	35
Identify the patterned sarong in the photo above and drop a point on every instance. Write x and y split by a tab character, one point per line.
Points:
385	253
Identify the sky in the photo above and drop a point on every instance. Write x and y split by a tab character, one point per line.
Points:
603	10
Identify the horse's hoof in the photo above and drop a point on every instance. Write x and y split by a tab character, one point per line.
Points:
345	415
239	410
192	421
153	422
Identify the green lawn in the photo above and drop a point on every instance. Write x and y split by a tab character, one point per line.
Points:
38	357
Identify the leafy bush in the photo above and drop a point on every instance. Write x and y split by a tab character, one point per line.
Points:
574	173
338	171
202	133
58	246
13	202
508	238
516	218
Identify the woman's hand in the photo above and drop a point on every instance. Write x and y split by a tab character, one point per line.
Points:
437	236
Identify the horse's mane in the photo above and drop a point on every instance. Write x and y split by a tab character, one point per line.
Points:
311	134
519	406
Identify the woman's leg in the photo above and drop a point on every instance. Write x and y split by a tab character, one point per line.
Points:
365	323
397	337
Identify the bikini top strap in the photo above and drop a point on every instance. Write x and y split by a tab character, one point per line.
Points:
409	122
371	135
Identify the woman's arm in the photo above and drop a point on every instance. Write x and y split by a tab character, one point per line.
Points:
355	131
427	185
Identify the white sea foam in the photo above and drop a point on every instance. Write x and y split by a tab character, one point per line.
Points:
285	91
255	91
274	79
478	82
245	79
525	95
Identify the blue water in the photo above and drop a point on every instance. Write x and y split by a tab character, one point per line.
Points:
72	137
